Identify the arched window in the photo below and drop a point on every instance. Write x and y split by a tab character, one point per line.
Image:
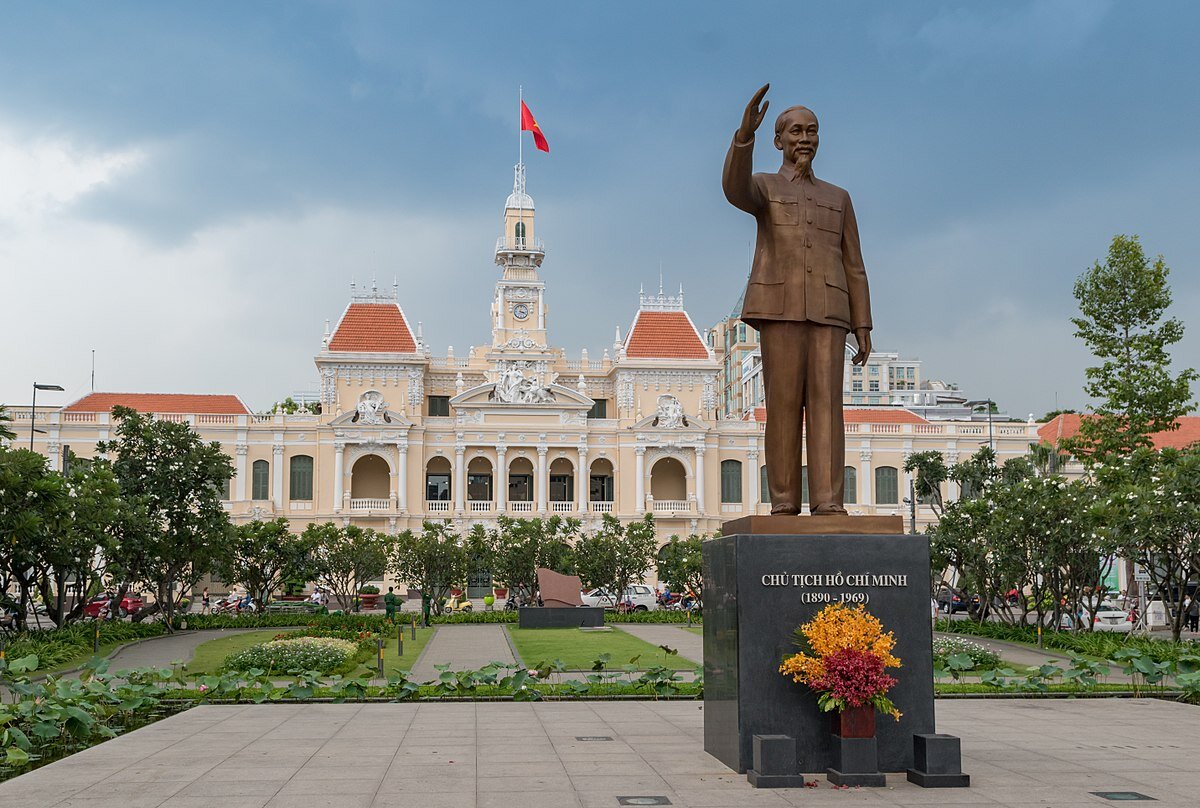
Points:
851	478
301	484
764	491
731	481
520	234
887	486
260	480
803	487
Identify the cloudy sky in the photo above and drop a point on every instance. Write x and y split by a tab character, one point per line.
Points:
190	189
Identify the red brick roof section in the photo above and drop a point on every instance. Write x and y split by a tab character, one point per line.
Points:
373	328
664	335
161	402
865	416
1066	426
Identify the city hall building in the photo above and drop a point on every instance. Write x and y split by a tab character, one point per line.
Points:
666	421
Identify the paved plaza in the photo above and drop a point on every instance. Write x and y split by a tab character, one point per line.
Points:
1044	753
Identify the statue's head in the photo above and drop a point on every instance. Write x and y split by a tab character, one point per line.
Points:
796	135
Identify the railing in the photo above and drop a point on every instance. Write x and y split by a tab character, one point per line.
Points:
216	419
579	364
672	506
928	429
514	244
520	507
306	505
479	505
437	506
600	507
264	418
449	362
562	507
886	429
370	504
970	430
79	417
729	507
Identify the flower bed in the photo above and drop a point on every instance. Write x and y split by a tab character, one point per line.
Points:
323	654
946	647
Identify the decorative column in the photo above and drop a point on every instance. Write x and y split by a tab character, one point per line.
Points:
339	451
402	477
867	483
278	472
501	493
639	496
700	480
752	488
543	481
581	481
240	493
460	477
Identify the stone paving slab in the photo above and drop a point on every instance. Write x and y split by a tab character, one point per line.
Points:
463	647
689	644
1046	753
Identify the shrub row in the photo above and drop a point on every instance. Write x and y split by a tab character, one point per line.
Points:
53	647
377	622
1102	644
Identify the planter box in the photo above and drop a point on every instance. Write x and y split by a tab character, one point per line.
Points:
369	601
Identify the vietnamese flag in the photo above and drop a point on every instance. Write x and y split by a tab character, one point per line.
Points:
528	124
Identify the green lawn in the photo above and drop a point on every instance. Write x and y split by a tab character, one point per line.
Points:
578	649
210	656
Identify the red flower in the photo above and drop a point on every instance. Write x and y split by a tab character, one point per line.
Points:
854	677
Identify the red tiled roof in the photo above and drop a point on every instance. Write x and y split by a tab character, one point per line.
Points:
161	402
1066	425
865	416
373	328
664	335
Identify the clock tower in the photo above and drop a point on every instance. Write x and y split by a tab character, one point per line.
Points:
519	305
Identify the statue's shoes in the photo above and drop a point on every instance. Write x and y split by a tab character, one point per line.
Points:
829	510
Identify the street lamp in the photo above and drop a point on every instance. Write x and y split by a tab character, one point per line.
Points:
33	414
990	404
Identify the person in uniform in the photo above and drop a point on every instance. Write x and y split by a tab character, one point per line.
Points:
807	290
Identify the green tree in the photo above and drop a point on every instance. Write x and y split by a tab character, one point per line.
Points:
520	546
1122	307
263	555
1150	510
35	507
434	560
166	469
616	555
6	432
681	564
347	558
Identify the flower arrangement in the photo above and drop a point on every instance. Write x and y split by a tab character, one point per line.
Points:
294	653
843	657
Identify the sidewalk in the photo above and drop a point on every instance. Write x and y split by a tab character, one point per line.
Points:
689	644
463	647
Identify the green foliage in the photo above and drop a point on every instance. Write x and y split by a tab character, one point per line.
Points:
434	560
304	653
6	432
57	646
1104	645
346	557
980	656
1122	305
519	546
681	564
263	555
616	555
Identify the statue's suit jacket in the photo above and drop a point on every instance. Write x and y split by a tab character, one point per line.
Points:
808	264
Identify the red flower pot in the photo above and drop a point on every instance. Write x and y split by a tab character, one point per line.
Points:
855	722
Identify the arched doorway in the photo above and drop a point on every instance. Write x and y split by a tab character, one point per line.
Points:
600	486
370	483
562	485
437	484
520	485
668	480
479	484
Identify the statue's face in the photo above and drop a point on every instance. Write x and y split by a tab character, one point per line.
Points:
798	139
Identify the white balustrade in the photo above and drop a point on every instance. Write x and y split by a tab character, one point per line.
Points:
562	507
480	505
308	506
601	507
520	507
372	504
437	506
672	506
730	507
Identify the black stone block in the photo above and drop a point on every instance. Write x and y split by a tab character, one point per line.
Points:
561	617
865	780
775	754
748	627
757	780
855	755
937	762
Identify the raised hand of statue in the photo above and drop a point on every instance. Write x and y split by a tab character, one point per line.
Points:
863	337
753	116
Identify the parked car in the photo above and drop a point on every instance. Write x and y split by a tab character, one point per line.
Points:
639	596
1109	617
950	602
131	603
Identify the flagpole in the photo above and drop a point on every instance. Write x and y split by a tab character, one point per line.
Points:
520	132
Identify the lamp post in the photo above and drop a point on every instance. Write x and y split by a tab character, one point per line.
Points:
990	404
33	414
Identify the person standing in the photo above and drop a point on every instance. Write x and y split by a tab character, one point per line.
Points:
205	602
389	604
1193	612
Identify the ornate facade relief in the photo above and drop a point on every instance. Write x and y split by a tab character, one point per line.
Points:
372	409
515	387
670	413
416	389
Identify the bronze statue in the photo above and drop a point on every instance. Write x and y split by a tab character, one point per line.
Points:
807	289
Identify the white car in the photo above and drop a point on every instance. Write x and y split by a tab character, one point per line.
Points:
1109	617
639	595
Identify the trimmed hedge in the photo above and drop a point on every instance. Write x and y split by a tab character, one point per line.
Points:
1102	644
378	622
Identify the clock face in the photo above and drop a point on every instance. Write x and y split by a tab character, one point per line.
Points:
520	311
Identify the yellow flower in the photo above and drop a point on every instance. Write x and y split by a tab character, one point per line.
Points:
836	628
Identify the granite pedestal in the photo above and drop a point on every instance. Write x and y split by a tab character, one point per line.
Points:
560	617
758	588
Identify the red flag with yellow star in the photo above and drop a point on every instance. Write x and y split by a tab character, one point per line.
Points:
528	124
